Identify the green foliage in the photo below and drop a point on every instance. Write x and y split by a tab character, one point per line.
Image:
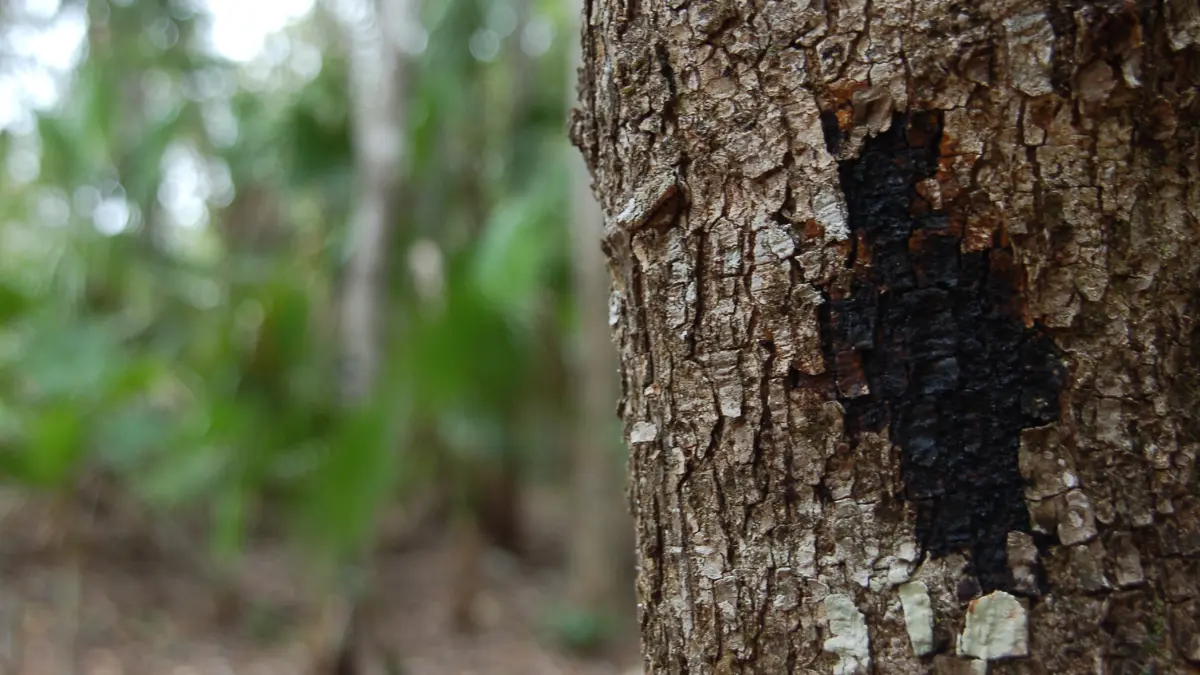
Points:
579	630
353	479
522	244
13	303
198	365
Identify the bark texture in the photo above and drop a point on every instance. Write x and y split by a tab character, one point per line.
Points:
906	299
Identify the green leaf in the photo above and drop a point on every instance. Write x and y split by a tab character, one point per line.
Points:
73	360
129	437
578	629
13	303
63	157
56	444
522	239
358	475
189	473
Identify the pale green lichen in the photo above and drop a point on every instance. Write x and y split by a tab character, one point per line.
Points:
996	628
850	640
918	616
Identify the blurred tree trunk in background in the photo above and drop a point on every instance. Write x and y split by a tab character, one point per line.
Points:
601	536
500	500
374	32
377	108
493	481
906	300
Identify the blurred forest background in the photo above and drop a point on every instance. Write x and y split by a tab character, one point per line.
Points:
291	288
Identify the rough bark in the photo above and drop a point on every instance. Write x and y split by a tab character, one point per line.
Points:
905	295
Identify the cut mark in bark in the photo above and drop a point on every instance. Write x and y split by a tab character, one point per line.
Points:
929	341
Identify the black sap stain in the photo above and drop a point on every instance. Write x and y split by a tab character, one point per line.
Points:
930	342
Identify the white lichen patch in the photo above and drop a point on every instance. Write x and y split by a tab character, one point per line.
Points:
849	640
709	562
730	398
900	566
1030	43
643	432
1127	562
614	308
918	616
1023	561
1077	521
629	212
830	210
779	242
898	572
996	628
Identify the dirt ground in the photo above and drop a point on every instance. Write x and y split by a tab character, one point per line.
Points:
120	607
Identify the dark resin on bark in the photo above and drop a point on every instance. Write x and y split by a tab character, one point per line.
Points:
929	341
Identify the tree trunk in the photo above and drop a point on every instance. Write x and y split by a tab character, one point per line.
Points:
907	299
374	36
378	125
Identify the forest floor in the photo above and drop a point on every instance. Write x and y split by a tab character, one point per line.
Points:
121	607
